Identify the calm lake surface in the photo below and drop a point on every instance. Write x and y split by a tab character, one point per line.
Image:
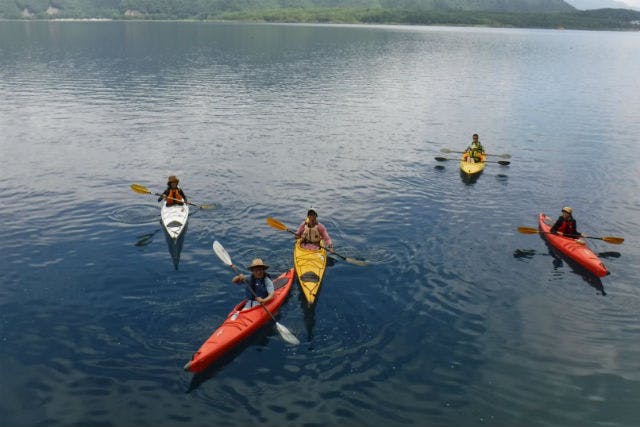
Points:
457	320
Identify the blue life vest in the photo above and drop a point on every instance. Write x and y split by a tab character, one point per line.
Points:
259	286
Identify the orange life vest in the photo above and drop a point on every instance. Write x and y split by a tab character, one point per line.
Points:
174	197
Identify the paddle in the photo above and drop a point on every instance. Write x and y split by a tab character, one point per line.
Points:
608	239
144	190
500	162
504	156
280	226
282	330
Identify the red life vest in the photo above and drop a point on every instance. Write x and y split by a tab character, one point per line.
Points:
568	227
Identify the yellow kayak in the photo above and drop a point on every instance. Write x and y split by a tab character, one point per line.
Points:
472	168
309	265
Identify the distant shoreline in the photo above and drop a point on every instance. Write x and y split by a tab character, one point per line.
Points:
601	19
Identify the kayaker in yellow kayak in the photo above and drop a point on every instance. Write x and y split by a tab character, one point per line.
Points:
173	194
474	152
259	282
311	233
565	225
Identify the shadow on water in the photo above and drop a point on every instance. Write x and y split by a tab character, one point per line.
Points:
145	239
558	259
260	339
309	311
470	179
175	246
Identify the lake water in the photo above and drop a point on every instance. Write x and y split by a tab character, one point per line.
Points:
457	320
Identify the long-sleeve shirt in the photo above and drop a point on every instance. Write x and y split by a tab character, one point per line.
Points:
321	230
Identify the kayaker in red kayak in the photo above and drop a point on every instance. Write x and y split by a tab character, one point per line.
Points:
173	193
312	232
259	282
565	225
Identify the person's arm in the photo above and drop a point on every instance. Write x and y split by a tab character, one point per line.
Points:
554	228
575	227
300	230
325	236
164	195
239	278
184	197
270	291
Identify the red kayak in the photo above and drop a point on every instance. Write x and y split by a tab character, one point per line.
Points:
239	325
572	248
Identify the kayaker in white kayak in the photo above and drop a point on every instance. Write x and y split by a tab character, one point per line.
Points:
259	282
474	152
173	194
565	225
311	233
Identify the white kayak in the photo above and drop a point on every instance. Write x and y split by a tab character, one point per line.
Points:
174	219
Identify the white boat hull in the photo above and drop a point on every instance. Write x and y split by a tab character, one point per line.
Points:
174	219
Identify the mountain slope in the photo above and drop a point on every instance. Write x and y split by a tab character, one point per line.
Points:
212	7
491	13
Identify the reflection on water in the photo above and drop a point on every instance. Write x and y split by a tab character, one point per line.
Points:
470	179
145	239
175	245
586	275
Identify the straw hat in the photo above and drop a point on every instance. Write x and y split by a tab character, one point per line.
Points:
257	263
173	178
567	209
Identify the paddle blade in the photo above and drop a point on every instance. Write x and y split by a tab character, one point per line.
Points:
441	159
286	334
222	253
527	230
356	261
272	222
614	240
140	189
201	206
609	254
504	162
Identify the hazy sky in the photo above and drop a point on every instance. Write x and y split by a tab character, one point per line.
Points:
634	3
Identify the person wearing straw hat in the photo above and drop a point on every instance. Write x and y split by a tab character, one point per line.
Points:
260	287
173	194
565	225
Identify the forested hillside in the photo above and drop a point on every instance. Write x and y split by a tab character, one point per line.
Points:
212	8
495	13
